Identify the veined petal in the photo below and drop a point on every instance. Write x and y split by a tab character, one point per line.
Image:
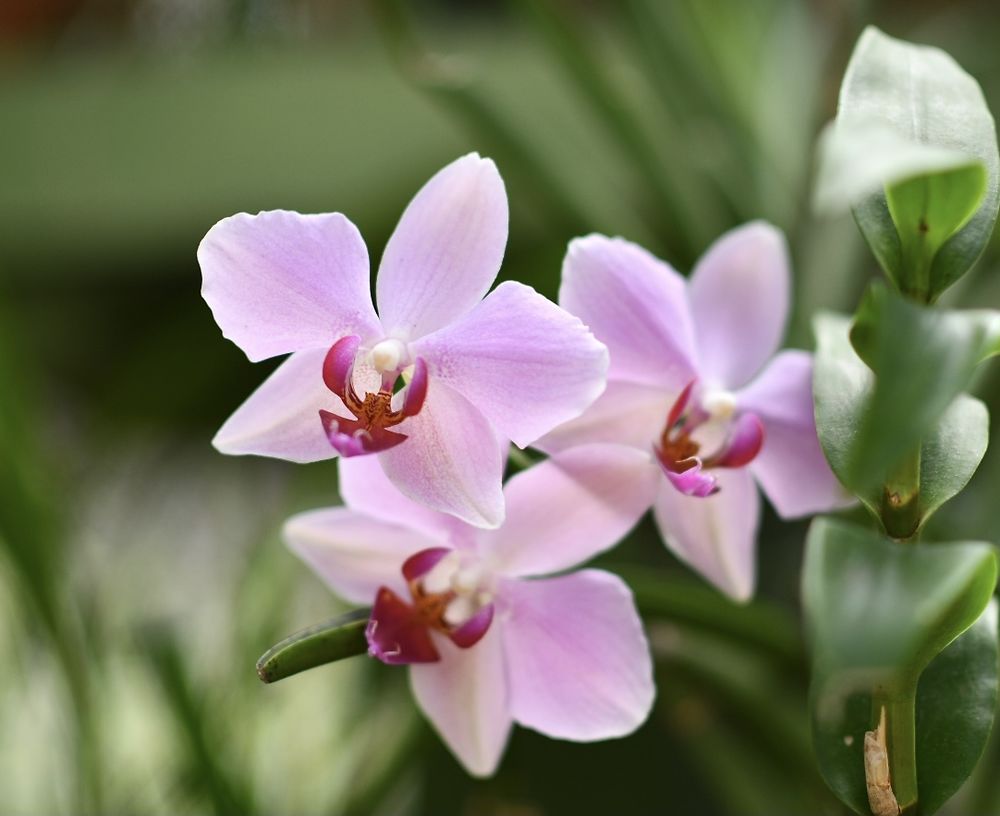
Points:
279	281
365	487
446	250
581	668
451	461
524	362
281	418
626	414
567	509
715	535
464	695
739	295
635	304
791	467
353	553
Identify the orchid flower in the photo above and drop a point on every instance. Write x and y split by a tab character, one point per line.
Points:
435	381
487	641
690	383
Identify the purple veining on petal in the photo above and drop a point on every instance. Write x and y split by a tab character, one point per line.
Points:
416	391
472	631
339	363
416	566
746	438
396	634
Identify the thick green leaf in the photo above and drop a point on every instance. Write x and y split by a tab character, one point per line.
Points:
343	636
924	97
878	613
843	386
956	704
922	359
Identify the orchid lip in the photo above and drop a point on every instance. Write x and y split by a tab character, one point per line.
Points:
374	414
678	453
446	597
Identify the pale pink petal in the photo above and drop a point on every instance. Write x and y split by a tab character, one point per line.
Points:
281	418
353	553
626	414
365	487
446	250
739	297
580	663
464	695
279	281
526	364
791	467
451	461
717	535
635	304
567	509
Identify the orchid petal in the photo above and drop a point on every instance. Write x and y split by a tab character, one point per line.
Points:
739	294
395	633
636	304
416	389
452	461
626	414
464	695
567	509
581	668
419	564
279	281
791	467
353	553
715	536
746	438
338	365
446	250
281	418
524	362
365	487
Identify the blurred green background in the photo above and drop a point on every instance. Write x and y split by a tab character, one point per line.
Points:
142	574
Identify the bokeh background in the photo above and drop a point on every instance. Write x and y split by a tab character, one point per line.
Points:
142	573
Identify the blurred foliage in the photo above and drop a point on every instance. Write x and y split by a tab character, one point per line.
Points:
143	573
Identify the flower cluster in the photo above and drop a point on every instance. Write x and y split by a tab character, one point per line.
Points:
644	389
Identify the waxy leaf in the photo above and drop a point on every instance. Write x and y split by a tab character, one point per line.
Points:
843	386
934	214
879	614
343	636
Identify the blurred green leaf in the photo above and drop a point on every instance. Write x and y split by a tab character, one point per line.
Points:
956	705
340	637
878	613
843	386
922	359
924	96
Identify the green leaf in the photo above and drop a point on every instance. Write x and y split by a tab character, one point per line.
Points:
878	613
956	704
927	211
922	359
843	387
929	102
343	636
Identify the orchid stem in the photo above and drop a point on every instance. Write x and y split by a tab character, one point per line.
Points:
335	639
901	499
899	701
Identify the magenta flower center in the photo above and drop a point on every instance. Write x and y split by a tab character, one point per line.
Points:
449	594
378	410
692	424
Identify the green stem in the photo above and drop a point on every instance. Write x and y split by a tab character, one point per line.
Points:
335	639
899	701
901	499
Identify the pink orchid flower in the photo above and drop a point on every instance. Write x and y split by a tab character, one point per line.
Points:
430	384
488	643
690	383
